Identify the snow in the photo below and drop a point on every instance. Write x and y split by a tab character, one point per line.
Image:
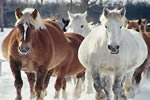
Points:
8	91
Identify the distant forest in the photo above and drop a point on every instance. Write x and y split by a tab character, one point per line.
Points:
134	11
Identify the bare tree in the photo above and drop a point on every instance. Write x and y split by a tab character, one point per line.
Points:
71	4
1	15
85	4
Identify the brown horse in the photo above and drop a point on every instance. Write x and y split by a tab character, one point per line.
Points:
36	47
75	69
140	26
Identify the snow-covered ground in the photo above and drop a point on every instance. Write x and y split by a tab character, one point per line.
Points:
8	92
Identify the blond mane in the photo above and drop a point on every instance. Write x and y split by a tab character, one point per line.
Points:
27	18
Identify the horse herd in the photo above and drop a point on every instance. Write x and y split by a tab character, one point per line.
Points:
111	55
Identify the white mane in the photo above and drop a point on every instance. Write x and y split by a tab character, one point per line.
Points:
27	18
103	19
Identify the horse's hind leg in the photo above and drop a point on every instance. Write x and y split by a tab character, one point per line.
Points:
31	79
78	88
39	85
15	68
64	94
58	85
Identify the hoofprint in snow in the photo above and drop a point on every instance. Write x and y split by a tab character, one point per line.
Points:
8	91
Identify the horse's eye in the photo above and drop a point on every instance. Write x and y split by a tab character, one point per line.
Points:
105	26
120	27
82	26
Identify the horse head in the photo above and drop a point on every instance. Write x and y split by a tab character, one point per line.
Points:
27	23
113	22
78	23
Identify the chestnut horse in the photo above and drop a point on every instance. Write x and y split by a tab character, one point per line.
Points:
62	71
141	26
75	69
36	47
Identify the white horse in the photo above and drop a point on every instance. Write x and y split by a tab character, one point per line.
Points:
115	52
78	23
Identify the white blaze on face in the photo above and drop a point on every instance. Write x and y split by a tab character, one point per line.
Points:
25	30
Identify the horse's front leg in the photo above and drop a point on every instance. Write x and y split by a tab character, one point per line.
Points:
97	83
118	89
88	87
107	83
15	68
59	83
130	85
31	79
39	85
46	82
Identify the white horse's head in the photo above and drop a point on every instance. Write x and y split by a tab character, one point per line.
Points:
78	23
113	20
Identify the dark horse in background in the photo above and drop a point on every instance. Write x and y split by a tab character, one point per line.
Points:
36	47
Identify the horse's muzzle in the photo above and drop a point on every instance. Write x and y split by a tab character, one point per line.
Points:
24	51
114	49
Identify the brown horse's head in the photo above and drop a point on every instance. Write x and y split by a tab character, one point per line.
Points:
137	25
27	23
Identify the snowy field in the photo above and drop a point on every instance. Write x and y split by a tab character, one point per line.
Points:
8	91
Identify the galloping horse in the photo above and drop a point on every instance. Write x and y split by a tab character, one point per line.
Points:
35	47
107	51
141	26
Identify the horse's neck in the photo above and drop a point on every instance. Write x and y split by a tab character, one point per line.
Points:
87	30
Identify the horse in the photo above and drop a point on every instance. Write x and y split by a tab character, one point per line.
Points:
141	26
78	23
65	24
107	51
62	71
36	47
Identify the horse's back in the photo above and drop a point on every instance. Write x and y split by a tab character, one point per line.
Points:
74	40
5	44
61	47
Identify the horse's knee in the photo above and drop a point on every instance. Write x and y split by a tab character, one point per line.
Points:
18	83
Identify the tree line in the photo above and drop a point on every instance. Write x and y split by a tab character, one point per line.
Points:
94	9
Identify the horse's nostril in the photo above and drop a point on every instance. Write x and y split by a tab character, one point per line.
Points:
117	47
109	47
24	49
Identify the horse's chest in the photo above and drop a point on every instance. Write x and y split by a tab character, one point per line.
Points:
28	66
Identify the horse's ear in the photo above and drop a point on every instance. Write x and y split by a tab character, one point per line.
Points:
18	13
144	21
84	14
139	21
106	12
65	21
34	14
70	15
122	11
